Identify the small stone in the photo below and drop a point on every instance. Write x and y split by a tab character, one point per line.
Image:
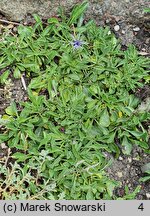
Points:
25	98
130	160
120	158
119	174
3	146
143	50
1	155
123	31
136	158
15	29
116	27
107	21
129	185
136	29
148	195
147	41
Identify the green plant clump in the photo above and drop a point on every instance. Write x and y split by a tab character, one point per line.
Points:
80	101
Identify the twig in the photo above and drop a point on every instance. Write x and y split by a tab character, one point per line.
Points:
7	158
9	22
143	53
23	83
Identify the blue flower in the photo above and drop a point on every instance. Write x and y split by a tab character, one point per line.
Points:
77	43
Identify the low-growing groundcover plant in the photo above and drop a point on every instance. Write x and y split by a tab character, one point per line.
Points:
81	103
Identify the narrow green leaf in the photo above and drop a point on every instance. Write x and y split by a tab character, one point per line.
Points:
74	77
110	187
3	137
4	76
144	179
77	12
53	20
37	18
147	10
104	119
89	195
12	109
52	54
17	73
142	144
20	157
137	134
127	146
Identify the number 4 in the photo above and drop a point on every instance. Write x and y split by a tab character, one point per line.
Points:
141	207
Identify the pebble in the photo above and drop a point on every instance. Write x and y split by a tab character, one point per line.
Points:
123	31
136	158
148	195
15	29
120	158
147	41
119	174
143	50
136	29
116	27
130	160
1	155
129	185
107	21
3	146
